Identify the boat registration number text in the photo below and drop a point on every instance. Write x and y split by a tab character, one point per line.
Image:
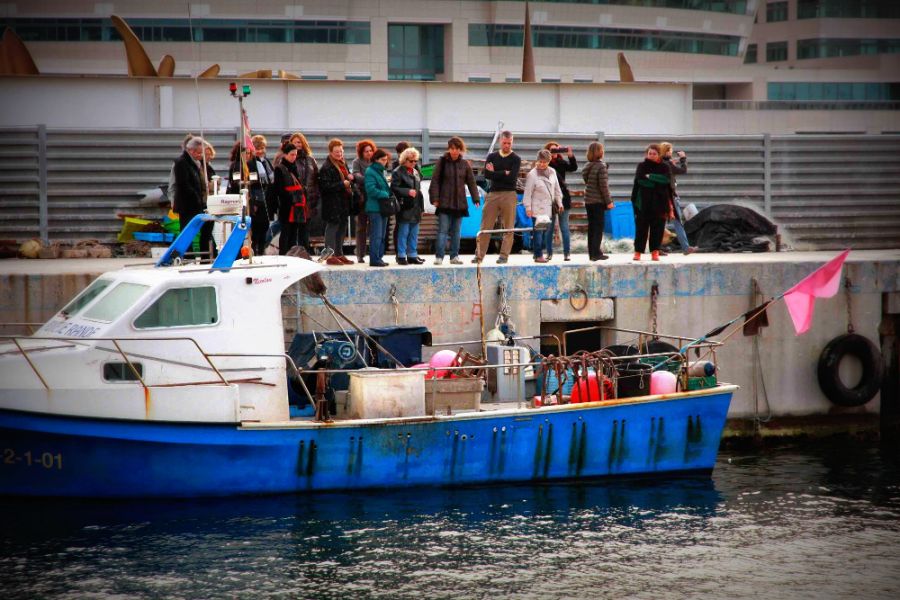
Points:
28	458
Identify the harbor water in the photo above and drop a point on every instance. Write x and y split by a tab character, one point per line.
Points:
815	520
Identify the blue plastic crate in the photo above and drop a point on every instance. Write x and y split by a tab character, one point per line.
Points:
619	222
470	225
145	236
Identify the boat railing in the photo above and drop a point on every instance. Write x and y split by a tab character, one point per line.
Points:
116	342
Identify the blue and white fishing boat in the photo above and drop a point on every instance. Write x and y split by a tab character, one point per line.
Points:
171	380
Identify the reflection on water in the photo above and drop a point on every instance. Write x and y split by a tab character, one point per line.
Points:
814	522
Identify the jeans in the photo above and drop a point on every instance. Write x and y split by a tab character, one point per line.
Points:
679	227
448	226
537	239
407	239
377	234
563	231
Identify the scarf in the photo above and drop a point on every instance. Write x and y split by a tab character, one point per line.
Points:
345	174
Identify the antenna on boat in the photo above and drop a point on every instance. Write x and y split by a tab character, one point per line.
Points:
240	94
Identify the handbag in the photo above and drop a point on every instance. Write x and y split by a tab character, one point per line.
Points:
388	206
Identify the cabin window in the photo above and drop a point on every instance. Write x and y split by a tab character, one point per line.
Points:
181	307
114	304
85	297
119	371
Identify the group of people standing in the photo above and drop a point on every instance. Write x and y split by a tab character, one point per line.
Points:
293	187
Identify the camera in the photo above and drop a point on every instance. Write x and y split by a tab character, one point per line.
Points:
560	150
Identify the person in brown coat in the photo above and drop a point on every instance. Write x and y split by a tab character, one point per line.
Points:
452	175
596	198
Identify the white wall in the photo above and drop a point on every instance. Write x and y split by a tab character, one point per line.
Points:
97	102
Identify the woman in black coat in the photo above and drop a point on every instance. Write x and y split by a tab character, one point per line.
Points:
406	187
650	201
337	191
291	199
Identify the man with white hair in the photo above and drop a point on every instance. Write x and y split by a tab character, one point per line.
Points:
190	188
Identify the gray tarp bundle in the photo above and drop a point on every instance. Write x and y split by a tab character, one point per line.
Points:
729	228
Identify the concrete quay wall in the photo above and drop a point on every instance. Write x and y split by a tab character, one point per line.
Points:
695	293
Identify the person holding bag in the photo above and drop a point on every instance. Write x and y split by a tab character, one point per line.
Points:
291	198
542	196
380	205
406	186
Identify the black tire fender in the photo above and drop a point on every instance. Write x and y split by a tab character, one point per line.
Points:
829	379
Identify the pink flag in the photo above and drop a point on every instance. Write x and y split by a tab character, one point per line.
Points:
824	282
248	143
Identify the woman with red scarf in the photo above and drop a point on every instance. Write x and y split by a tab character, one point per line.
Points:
291	196
337	191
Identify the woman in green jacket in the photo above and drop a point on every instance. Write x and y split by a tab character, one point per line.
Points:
377	190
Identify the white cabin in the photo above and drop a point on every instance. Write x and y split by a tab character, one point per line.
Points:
153	343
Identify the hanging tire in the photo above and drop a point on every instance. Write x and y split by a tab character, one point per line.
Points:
829	362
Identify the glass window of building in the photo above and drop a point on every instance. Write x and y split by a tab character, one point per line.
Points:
776	11
834	91
833	47
750	54
415	51
776	51
603	38
848	9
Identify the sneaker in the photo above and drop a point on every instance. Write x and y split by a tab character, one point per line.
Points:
401	260
637	256
476	260
456	261
439	260
690	250
502	260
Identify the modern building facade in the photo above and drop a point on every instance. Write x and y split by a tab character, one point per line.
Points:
740	55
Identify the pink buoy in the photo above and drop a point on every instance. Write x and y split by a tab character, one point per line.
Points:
442	358
662	382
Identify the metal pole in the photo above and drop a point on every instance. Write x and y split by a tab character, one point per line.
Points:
43	208
767	174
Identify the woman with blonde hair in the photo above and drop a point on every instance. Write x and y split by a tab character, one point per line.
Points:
597	199
542	194
675	214
406	187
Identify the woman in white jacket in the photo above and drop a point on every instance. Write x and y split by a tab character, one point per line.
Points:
542	194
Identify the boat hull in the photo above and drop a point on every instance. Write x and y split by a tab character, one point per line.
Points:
45	455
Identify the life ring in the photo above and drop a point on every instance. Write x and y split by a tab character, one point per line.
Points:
829	378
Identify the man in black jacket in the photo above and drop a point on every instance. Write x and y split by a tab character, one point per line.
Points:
190	188
502	170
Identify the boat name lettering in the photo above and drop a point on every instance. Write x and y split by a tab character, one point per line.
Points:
72	329
47	460
258	280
